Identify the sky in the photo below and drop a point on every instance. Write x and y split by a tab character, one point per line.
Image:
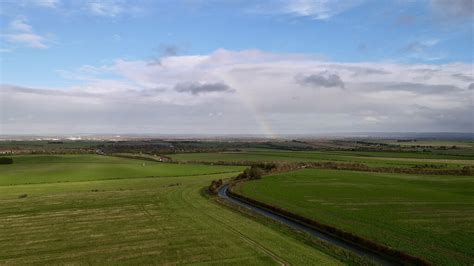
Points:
221	67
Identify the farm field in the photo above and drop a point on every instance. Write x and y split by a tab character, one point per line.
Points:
427	216
152	214
375	159
31	169
433	143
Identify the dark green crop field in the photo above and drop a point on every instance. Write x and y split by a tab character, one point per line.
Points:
120	211
375	159
431	217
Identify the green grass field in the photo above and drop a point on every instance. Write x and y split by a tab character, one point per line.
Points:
428	216
70	168
375	159
117	211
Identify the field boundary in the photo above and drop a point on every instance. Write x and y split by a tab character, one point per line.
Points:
336	232
465	171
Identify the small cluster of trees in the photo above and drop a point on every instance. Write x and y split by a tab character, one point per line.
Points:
257	170
466	170
253	172
6	160
214	187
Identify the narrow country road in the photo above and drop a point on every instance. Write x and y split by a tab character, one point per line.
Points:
377	258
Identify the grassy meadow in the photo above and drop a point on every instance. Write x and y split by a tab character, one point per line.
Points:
431	217
121	211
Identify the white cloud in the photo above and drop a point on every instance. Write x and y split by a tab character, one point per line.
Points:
37	3
20	24
46	3
28	39
253	92
105	8
423	49
114	8
316	9
20	32
319	9
116	37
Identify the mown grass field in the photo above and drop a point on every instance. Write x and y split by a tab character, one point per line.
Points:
375	159
431	217
119	211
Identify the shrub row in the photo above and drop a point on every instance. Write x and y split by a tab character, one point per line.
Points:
145	158
6	160
254	172
286	166
466	170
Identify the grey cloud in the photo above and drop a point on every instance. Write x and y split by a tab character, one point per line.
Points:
455	9
151	92
75	93
323	79
419	88
370	71
405	20
427	73
427	70
364	71
418	46
260	71
165	50
45	92
471	86
10	89
169	50
423	88
443	104
358	70
24	110
197	88
457	119
463	77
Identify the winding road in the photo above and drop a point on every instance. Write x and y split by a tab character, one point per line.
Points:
375	257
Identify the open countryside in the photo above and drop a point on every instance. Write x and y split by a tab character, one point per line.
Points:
131	219
149	208
237	132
